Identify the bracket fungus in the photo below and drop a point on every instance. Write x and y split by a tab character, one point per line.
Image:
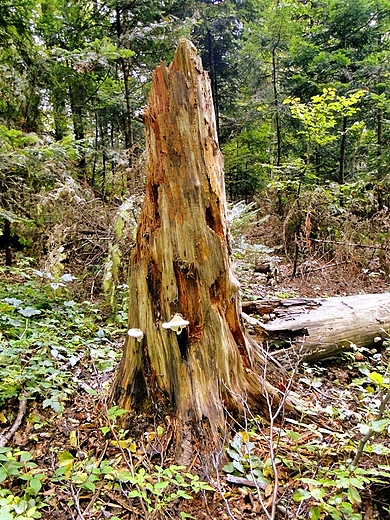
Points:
177	324
136	333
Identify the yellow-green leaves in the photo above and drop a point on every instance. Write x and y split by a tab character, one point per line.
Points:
321	115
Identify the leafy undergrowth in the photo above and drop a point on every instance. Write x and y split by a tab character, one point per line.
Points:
70	459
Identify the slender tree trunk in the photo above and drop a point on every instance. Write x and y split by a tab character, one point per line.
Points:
379	119
181	265
76	98
276	103
343	151
7	243
124	63
104	168
59	115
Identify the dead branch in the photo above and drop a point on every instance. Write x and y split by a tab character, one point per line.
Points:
4	438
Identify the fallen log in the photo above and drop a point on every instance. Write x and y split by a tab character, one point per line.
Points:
308	330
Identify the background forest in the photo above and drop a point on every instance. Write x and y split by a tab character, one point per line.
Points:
301	94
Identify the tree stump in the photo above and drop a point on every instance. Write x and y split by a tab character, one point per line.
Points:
181	266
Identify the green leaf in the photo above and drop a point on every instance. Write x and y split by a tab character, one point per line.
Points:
293	435
183	494
35	484
53	403
27	312
315	513
25	456
301	494
376	377
236	443
12	301
116	412
228	468
238	466
161	485
91	391
233	454
6	516
353	495
318	493
31	512
3	474
134	493
380	426
89	485
65	459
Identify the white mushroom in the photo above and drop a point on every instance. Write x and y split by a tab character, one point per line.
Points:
136	333
177	324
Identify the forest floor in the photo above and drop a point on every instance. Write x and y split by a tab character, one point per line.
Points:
68	459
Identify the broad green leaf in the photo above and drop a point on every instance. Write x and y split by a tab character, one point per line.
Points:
183	494
27	312
228	468
89	485
233	454
376	377
65	459
33	513
161	485
301	494
12	301
35	484
353	495
236	443
318	493
25	456
293	435
315	513
6	516
379	426
3	474
238	466
363	429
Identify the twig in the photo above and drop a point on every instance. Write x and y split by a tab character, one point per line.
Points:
218	487
364	246
244	481
18	421
97	493
76	503
371	432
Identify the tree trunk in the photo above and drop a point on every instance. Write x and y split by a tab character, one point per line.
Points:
181	265
343	151
76	95
7	242
276	104
314	329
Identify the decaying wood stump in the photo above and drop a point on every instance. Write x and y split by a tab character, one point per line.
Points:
181	266
314	329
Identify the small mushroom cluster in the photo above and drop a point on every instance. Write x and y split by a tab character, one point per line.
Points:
136	333
177	324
